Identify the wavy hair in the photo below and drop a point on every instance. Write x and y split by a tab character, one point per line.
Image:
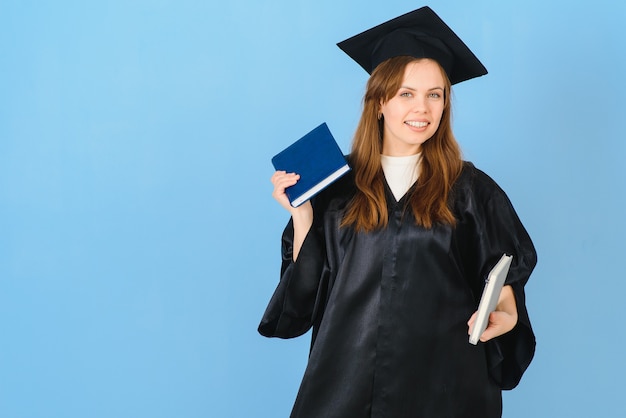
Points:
440	164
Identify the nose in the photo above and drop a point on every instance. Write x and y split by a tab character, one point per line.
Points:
419	105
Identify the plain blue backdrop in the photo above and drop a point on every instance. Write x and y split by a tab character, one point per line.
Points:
139	243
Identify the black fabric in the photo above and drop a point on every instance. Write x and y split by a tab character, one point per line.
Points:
420	34
389	308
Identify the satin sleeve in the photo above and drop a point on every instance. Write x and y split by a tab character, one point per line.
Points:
499	230
292	308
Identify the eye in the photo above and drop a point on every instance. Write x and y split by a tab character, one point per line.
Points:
434	95
406	94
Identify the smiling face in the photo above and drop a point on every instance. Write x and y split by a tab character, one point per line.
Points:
412	115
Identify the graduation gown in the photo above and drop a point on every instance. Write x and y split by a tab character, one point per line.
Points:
389	308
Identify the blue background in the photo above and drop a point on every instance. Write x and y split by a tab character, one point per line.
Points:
139	243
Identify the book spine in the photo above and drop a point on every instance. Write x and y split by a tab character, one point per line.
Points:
319	186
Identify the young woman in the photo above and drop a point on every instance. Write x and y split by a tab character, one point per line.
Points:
387	264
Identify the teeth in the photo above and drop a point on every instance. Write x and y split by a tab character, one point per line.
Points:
416	124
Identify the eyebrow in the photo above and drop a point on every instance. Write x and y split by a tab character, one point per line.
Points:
413	89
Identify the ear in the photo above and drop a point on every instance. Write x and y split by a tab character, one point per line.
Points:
381	104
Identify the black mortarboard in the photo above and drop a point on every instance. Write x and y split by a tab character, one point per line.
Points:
420	34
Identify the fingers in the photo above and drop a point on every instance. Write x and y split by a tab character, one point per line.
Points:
472	319
499	323
492	331
470	323
282	180
502	320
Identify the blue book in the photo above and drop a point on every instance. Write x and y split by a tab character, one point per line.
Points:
318	160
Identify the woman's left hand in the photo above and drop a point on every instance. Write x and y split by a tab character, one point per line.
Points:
502	320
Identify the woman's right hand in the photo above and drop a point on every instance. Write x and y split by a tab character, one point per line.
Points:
281	180
302	216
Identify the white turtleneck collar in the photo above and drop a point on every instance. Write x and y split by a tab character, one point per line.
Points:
400	172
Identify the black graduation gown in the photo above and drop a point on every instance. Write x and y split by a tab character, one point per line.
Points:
389	308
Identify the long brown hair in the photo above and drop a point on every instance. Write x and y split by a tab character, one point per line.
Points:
440	166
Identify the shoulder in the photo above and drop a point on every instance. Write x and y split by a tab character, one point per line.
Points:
477	181
475	189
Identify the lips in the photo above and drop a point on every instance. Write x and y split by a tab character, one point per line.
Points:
416	124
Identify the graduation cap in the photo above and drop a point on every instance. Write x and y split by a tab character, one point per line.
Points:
420	34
